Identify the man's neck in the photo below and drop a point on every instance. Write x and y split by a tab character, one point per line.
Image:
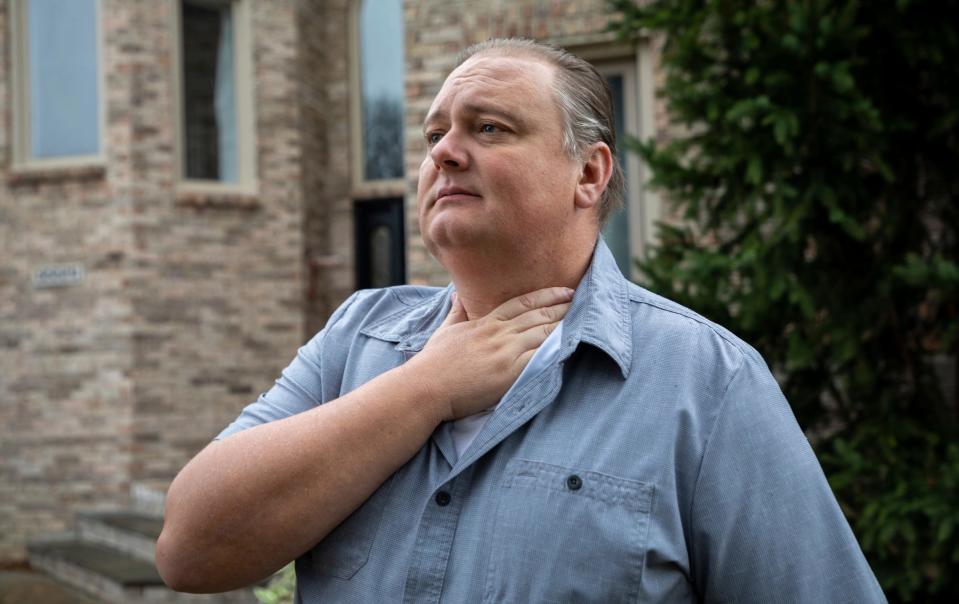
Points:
482	284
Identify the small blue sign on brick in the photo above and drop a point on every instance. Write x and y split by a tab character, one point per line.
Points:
58	275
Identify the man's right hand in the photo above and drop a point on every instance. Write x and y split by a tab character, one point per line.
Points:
467	366
247	505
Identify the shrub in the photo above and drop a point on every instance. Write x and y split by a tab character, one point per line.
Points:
280	588
816	181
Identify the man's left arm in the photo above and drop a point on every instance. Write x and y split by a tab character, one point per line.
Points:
765	526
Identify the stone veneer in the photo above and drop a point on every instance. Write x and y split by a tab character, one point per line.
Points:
191	304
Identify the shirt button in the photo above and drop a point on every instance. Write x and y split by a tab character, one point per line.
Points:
443	499
574	482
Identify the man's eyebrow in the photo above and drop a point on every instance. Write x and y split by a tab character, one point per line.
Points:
474	109
435	116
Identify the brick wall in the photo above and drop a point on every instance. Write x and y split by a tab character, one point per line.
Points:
65	353
192	303
215	281
328	219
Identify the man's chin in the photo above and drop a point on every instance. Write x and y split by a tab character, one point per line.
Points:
452	237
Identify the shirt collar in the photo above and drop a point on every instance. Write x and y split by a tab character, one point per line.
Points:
599	315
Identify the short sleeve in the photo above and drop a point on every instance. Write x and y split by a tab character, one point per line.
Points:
765	524
300	386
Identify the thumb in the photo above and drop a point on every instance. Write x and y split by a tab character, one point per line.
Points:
457	312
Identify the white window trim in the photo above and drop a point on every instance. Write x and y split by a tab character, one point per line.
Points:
363	188
646	131
22	158
645	207
627	70
246	130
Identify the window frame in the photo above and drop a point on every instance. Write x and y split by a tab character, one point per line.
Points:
22	159
363	188
247	180
362	191
626	69
635	65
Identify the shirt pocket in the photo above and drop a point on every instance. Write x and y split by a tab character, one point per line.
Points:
567	535
344	551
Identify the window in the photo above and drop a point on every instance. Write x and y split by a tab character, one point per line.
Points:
630	230
57	101
378	91
616	230
381	89
216	126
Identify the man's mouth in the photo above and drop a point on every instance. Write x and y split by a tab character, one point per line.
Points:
454	193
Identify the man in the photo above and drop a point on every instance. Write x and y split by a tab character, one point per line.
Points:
643	454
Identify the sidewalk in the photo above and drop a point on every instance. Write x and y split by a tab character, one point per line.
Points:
21	587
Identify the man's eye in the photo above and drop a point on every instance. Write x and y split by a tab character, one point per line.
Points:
489	128
433	137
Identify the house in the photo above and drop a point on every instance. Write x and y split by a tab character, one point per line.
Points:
188	188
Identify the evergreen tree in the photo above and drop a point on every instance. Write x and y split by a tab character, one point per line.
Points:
816	175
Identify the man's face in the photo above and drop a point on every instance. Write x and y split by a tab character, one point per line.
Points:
495	178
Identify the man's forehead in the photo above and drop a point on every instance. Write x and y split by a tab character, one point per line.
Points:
520	79
502	63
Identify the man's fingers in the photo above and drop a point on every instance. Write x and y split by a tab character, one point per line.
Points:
540	316
525	358
549	296
457	313
532	338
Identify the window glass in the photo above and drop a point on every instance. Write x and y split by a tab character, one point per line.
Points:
381	88
616	231
209	92
61	69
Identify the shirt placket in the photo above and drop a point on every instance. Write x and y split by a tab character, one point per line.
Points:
438	523
434	540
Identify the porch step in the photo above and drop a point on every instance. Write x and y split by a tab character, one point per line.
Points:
114	576
110	554
96	569
129	531
27	587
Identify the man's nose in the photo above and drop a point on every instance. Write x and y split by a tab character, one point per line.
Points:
449	153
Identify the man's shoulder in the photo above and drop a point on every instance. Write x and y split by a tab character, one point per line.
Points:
678	348
369	307
657	316
396	297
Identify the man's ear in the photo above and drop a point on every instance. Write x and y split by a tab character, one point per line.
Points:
596	172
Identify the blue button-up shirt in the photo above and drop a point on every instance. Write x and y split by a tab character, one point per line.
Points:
656	460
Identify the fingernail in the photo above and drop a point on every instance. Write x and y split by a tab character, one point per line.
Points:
569	293
453	298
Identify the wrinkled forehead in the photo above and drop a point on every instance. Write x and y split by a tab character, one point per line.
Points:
521	79
504	63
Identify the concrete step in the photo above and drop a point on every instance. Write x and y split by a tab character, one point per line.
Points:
114	576
27	587
129	531
95	569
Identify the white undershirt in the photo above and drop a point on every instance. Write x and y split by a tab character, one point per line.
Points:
464	430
